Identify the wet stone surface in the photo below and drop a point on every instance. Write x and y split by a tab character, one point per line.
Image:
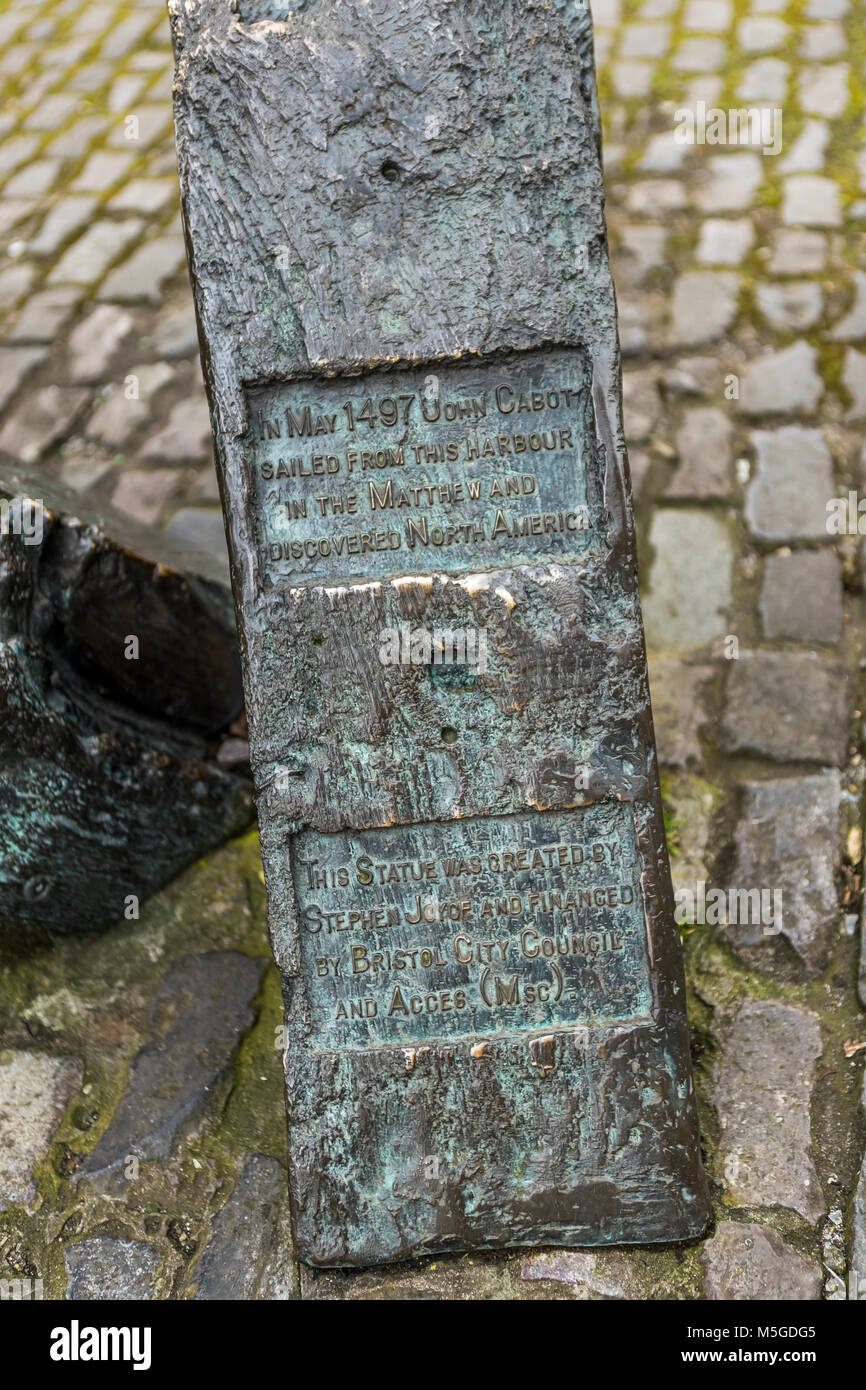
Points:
801	597
746	1261
248	1243
787	707
34	1090
783	842
102	1268
195	1021
762	1089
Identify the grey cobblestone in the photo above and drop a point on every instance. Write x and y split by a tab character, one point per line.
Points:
144	195
185	436
725	241
685	619
784	839
801	598
704	305
854	380
762	1094
95	342
764	80
175	333
679	709
40	420
788	707
102	171
663	155
244	1232
88	258
14	211
704	444
582	1271
808	150
785	382
699	55
146	271
34	179
196	1019
811	200
122	413
144	493
77	139
787	498
823	40
34	1090
68	216
15	363
761	33
791	307
824	90
103	1269
745	1261
645	40
853	325
43	315
641	402
15	281
733	181
655	197
152	122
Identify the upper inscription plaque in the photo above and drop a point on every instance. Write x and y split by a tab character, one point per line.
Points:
448	468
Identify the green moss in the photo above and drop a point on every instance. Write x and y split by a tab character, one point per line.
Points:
671	822
254	1118
89	997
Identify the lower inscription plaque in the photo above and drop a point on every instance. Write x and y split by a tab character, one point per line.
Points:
488	926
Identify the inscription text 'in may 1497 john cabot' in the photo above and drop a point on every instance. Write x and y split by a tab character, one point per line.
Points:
447	469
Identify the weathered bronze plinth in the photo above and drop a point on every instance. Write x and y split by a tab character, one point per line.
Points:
396	236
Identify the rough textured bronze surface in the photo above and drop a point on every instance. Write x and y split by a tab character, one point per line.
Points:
396	237
108	779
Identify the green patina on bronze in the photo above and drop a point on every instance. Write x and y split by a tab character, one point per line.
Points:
395	228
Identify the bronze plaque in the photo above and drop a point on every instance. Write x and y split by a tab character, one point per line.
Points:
472	929
423	471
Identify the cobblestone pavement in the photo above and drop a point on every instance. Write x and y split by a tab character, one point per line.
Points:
124	1172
